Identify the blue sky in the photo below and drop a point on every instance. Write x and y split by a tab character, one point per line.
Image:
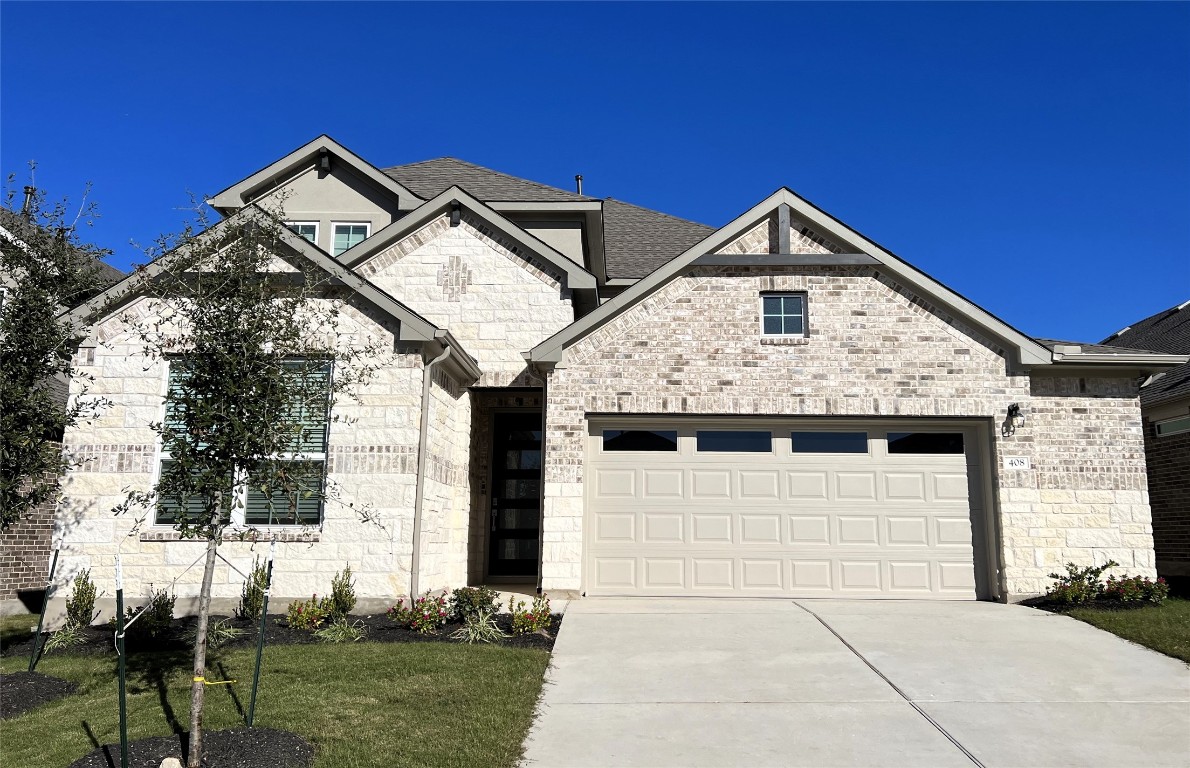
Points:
1034	157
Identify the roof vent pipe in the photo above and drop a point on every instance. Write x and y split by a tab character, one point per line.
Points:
27	205
578	182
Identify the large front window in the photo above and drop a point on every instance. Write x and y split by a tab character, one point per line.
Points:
291	496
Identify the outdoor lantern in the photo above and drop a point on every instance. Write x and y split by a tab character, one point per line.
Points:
1014	419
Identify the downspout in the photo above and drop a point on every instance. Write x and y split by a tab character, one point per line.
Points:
427	378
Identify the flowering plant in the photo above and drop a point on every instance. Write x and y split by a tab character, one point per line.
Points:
1135	589
427	613
536	619
309	614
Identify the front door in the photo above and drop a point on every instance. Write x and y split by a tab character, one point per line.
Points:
515	515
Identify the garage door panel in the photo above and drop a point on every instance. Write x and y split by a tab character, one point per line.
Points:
780	523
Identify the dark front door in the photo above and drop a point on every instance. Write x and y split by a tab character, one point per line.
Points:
515	516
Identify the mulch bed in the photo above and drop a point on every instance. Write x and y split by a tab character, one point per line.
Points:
379	629
235	748
22	691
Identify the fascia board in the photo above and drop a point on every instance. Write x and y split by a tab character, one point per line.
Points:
284	169
576	276
516	206
1172	361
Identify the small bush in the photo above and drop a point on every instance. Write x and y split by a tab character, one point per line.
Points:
426	615
64	639
536	619
342	631
1078	585
342	594
471	601
309	614
480	627
80	608
153	621
252	593
220	632
1136	589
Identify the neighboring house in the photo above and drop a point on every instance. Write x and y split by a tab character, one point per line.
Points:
620	402
25	547
1165	405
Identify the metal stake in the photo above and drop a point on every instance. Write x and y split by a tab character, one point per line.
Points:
45	604
264	613
121	671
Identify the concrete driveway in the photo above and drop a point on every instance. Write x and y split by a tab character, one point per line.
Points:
690	682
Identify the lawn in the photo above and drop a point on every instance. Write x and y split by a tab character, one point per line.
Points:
1163	628
365	704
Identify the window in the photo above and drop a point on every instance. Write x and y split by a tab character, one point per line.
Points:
307	229
734	441
829	442
640	440
925	442
298	500
783	314
1172	426
349	235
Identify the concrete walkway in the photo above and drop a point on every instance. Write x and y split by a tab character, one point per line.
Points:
690	682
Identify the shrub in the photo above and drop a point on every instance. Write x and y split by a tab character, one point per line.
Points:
219	632
480	627
154	619
536	619
342	593
66	638
309	614
1078	585
252	593
426	615
341	631
80	608
471	601
1136	589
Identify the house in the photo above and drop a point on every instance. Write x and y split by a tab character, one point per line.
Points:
1165	407
25	547
600	399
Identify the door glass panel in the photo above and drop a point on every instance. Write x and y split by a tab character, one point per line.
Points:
524	436
520	489
516	549
515	458
517	518
925	442
735	441
640	440
829	442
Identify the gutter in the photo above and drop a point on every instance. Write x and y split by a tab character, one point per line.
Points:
427	378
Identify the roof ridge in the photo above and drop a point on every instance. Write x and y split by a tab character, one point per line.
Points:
477	166
660	213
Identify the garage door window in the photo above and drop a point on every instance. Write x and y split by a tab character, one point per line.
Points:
734	441
925	442
640	440
829	442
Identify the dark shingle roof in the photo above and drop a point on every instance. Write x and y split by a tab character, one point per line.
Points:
638	240
432	177
1167	332
105	274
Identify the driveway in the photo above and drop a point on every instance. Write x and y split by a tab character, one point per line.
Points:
690	682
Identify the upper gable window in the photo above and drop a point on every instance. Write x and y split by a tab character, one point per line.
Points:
349	235
307	229
783	314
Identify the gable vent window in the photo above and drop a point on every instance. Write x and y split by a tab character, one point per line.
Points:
349	235
783	314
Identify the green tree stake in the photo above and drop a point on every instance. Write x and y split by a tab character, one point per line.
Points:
264	613
121	671
45	603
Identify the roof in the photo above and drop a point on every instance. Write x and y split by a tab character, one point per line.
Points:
1168	332
430	178
106	274
637	240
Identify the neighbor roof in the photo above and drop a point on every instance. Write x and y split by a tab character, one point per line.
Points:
429	178
1167	332
106	274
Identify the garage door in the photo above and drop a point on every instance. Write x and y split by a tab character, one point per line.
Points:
781	507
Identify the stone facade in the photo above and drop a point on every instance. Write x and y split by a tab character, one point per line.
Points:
1168	459
497	299
874	349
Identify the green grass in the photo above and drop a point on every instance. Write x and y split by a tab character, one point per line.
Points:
364	704
1164	628
13	629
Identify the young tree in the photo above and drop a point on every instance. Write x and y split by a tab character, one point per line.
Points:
44	269
251	334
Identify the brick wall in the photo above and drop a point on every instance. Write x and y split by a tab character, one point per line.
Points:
1169	494
25	552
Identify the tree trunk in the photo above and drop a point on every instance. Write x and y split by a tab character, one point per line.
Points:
197	686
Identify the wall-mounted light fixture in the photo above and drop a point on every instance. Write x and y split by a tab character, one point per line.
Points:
1013	420
455	212
324	162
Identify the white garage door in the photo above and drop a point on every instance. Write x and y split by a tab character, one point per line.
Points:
781	507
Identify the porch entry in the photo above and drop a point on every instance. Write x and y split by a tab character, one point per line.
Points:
514	521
